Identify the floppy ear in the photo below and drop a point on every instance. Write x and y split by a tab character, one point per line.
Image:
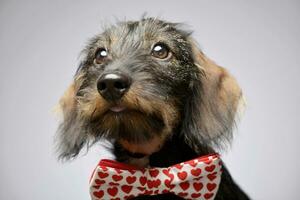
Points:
70	138
212	106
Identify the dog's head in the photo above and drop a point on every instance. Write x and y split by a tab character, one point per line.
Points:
140	82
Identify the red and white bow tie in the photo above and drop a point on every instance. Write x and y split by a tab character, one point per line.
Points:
195	179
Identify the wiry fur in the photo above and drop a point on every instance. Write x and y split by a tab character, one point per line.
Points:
186	102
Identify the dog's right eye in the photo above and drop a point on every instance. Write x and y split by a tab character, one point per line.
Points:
161	51
101	55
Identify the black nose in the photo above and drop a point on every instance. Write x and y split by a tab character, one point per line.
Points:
113	86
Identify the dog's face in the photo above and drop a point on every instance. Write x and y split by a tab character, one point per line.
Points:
140	82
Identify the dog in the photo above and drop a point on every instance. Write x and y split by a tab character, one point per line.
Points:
147	88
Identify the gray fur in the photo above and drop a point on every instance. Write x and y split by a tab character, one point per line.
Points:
129	45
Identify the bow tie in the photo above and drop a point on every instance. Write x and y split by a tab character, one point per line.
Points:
195	179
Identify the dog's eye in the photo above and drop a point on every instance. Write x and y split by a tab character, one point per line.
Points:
101	55
160	51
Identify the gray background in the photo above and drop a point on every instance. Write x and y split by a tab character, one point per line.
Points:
258	41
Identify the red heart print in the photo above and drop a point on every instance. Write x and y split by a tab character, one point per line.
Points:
156	191
143	180
112	191
179	166
182	175
131	179
182	194
196	195
113	184
184	185
154	172
196	172
116	199
102	174
211	186
96	186
167	173
126	188
119	171
99	182
148	192
165	191
128	197
117	177
104	168
207	161
156	183
192	163
150	183
98	194
208	195
168	184
198	178
210	168
198	186
141	188
212	176
132	171
153	183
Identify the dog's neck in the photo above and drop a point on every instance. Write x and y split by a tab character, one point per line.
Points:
173	151
146	148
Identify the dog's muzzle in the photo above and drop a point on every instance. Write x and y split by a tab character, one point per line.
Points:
112	86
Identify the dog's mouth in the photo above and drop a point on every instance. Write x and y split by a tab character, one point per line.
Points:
141	126
121	122
147	145
136	131
117	108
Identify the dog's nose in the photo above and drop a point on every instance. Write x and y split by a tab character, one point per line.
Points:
113	86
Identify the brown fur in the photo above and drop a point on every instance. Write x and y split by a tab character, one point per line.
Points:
218	86
221	95
171	109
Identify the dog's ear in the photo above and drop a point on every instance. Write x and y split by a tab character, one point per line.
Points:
211	109
70	138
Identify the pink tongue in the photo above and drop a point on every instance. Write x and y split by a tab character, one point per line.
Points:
117	108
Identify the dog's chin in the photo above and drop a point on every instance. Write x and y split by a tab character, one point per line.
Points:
130	127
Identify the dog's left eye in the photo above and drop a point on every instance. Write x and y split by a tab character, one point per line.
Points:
101	55
160	51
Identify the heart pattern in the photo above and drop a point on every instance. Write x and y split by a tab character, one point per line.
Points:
182	175
195	179
130	179
196	172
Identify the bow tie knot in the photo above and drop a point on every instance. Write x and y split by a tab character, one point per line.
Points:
195	179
